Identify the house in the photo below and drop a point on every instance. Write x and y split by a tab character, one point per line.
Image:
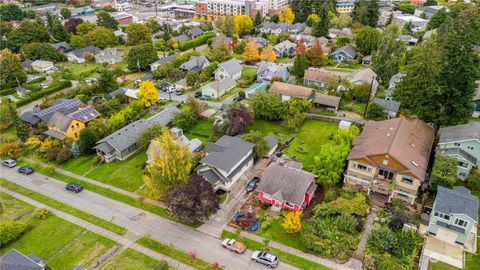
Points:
162	61
177	133
390	159
225	161
62	126
319	78
119	91
454	218
272	143
21	90
345	53
261	42
223	40
83	11
109	55
408	40
194	32
428	11
122	144
268	70
217	89
365	76
14	260
461	142
229	69
396	79
78	56
64	106
390	107
285	48
62	47
122	37
345	7
181	84
327	102
367	60
273	28
418	24
180	39
42	65
286	187
195	64
288	91
124	18
429	33
254	88
345	32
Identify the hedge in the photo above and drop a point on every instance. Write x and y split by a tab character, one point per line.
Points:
29	85
7	91
37	95
198	41
37	80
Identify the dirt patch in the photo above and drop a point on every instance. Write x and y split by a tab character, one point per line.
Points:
318	198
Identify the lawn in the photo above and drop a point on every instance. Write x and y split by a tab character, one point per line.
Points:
439	265
312	135
285	60
202	130
269	128
8	134
82	252
79	71
79	165
283	256
133	260
12	208
127	174
352	106
276	233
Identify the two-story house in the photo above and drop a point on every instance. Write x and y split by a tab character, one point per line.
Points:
62	126
267	71
461	142
390	158
229	69
454	217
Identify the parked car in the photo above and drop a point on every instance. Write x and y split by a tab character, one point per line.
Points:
25	170
9	163
238	98
234	246
43	85
197	94
265	258
74	187
253	184
205	98
179	92
90	80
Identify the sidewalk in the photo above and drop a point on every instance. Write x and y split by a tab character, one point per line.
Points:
368	229
124	241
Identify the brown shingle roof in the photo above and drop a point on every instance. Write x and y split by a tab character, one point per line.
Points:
290	90
318	75
408	141
326	100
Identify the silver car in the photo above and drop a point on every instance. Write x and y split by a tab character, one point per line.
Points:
9	163
265	258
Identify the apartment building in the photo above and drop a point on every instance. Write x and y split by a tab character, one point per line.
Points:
239	7
390	158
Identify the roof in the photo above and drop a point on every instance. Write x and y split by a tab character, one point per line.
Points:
364	76
55	134
222	85
348	49
60	121
128	135
319	75
27	63
272	142
119	91
29	117
62	106
217	39
122	15
231	66
266	69
470	131
164	60
456	201
181	38
285	183
196	31
326	100
41	63
226	152
14	260
62	44
408	141
85	114
195	63
459	152
80	52
388	105
290	90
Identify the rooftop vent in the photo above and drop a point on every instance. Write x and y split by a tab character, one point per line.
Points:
388	134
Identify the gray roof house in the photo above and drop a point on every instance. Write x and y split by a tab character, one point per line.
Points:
268	70
365	76
162	61
122	144
194	32
221	40
180	39
77	56
195	64
231	69
454	217
345	53
109	55
65	106
62	47
225	161
21	90
285	48
390	107
14	260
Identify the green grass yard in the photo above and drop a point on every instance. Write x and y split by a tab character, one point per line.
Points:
276	233
79	165
440	266
133	260
269	128
79	71
353	106
472	261
12	208
202	130
8	134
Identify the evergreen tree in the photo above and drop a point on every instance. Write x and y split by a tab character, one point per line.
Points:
373	13
75	150
299	66
386	59
430	3
106	20
321	28
258	19
367	12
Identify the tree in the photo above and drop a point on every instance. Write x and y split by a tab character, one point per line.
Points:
140	57
329	163
261	145
243	24
10	230
193	105
107	82
153	25
437	19
161	45
258	19
148	93
78	42
170	169
312	19
150	134
430	3
292	222
27	32
286	15
250	53
375	111
268	54
138	34
315	54
12	70
366	12
66	13
191	78
341	21
40	51
267	106
102	37
75	150
366	41
56	29
219	52
386	59
87	141
106	20
10	150
301	48
238	118
85	27
10	12
184	119
299	66
195	202
444	172
321	28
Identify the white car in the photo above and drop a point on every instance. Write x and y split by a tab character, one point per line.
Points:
43	85
9	163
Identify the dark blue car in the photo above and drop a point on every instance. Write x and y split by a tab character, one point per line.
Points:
25	170
253	184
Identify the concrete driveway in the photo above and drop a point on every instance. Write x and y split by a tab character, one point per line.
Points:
137	221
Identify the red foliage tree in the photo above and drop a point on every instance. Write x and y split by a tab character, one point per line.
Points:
239	119
315	54
301	47
71	24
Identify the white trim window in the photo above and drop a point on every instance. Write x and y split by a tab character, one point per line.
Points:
460	223
407	180
361	167
441	215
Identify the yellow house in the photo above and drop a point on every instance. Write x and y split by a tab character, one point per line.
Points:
61	126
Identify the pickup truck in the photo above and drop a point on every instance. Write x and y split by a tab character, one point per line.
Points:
234	245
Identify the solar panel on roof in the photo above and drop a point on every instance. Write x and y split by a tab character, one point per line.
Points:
65	105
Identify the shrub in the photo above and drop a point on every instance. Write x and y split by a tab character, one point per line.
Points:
41	213
347	223
185	119
382	240
10	230
473	181
398	220
266	223
351	203
198	41
49	168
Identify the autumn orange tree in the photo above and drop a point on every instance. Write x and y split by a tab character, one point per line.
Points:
148	93
268	54
250	54
286	15
315	54
301	47
292	222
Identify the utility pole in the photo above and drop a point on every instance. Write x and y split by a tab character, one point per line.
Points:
369	95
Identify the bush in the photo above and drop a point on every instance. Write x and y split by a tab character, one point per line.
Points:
185	119
8	91
49	168
10	230
198	41
382	240
473	180
347	223
351	203
41	213
398	220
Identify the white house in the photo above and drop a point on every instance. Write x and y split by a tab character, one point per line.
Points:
229	69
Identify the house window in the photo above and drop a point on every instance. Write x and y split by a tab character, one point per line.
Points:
385	162
78	125
361	167
442	215
72	127
386	174
470	147
76	134
456	144
461	223
462	174
266	195
407	180
462	164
